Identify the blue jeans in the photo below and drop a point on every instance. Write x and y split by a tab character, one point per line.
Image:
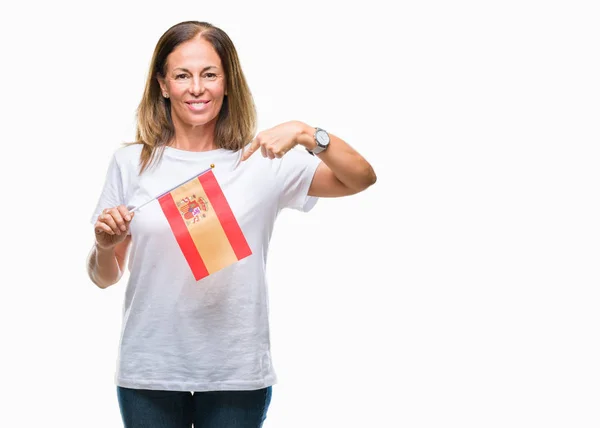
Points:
144	408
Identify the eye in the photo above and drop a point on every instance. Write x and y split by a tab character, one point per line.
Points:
180	76
210	76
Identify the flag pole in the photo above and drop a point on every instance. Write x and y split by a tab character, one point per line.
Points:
212	165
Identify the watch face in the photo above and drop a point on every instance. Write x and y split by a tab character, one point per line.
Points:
322	138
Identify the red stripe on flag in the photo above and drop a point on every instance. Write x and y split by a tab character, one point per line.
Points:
184	239
228	222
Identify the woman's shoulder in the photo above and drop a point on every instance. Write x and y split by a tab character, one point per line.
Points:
129	151
128	155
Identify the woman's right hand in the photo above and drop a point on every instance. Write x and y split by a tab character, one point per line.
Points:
112	226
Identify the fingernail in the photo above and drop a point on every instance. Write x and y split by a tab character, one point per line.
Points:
127	218
123	228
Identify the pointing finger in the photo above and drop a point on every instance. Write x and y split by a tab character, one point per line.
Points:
253	146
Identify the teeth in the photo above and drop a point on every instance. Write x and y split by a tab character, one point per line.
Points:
197	104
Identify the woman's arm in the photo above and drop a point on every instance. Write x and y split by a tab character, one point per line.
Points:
106	261
343	170
106	265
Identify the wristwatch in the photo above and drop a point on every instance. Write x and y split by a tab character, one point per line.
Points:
322	140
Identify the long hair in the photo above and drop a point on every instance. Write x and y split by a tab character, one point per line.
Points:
236	122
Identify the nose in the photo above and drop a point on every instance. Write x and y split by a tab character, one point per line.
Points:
196	87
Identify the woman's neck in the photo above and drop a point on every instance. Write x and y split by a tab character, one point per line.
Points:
194	139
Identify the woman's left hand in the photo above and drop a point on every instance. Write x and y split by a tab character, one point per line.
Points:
277	141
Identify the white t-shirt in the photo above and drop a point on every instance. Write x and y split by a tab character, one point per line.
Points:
180	334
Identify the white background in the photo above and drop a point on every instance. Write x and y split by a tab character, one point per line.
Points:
461	290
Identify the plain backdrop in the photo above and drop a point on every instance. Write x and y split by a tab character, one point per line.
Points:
461	290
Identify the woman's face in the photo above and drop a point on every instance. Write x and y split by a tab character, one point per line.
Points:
195	83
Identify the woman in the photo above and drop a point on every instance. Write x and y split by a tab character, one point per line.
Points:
195	349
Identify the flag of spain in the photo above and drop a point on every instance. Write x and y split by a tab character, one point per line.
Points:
204	225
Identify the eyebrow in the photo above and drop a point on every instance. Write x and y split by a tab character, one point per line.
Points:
203	70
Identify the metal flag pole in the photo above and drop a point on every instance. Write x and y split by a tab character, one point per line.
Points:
212	165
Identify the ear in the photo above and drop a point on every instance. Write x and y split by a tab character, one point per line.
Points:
162	83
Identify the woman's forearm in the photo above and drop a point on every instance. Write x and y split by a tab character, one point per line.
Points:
346	163
103	267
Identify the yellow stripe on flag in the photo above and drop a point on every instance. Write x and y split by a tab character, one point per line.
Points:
208	234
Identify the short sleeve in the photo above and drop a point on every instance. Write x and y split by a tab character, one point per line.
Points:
295	173
112	193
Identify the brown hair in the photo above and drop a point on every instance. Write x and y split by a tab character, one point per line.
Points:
236	123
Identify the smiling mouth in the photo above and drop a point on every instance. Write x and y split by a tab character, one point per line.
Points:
197	105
